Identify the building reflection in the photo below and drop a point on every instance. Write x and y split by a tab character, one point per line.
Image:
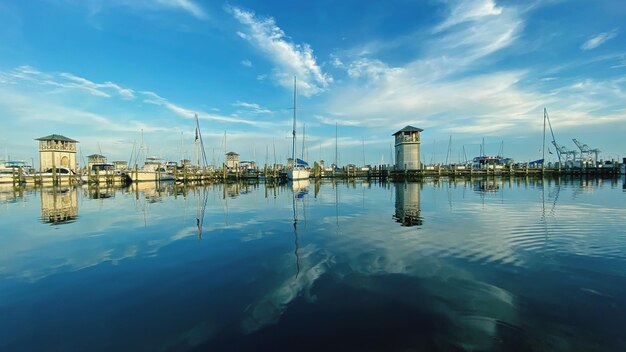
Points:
10	194
487	185
100	193
153	192
59	205
408	204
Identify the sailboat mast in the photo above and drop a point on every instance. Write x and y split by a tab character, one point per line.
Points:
142	148
303	136
293	132
197	144
543	144
363	140
336	142
449	148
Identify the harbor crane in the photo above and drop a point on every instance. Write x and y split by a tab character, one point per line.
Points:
586	151
570	155
546	118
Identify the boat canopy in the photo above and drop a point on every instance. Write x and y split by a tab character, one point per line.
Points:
301	162
536	162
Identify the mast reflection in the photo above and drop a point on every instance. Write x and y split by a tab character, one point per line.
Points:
408	204
300	189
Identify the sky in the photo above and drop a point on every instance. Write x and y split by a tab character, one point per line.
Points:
106	72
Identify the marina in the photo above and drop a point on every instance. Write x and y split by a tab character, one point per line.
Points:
58	164
353	176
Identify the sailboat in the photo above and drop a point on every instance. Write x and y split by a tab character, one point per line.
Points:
298	169
154	169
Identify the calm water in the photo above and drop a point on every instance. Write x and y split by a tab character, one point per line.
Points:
467	265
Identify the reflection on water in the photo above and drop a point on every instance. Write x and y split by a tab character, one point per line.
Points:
59	205
408	204
487	185
249	267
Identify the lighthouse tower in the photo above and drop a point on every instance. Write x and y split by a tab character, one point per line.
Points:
408	148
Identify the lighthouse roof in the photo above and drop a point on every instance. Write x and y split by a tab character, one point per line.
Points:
409	128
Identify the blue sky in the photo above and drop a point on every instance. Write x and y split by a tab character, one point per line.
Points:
101	71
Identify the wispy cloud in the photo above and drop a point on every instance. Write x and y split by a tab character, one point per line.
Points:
67	81
463	11
339	121
598	40
188	6
253	107
185	5
421	91
246	63
34	107
289	59
153	98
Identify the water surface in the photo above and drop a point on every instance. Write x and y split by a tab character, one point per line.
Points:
489	265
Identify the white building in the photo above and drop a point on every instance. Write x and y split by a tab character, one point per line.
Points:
95	159
408	148
232	160
57	151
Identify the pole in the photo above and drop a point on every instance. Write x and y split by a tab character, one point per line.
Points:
293	132
543	144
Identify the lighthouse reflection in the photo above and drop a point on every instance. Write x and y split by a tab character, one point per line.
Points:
408	204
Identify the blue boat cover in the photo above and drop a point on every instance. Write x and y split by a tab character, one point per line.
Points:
301	162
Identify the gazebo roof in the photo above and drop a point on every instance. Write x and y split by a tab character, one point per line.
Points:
56	137
409	128
231	153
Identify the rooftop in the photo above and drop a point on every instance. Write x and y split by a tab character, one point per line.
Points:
409	128
56	137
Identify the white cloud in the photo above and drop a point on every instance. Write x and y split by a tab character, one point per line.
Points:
289	59
433	90
246	63
186	5
338	121
68	81
153	98
469	10
598	40
253	107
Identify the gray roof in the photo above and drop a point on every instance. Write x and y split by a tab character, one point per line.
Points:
231	153
56	137
409	128
95	156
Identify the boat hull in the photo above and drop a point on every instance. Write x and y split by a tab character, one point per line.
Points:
147	176
298	174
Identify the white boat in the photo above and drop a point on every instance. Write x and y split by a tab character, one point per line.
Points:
153	170
298	173
62	174
10	170
299	168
